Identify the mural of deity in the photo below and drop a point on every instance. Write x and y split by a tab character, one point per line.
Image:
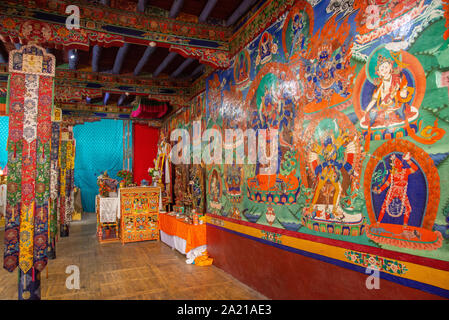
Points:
399	179
180	183
325	72
233	182
197	180
333	159
215	98
267	48
297	30
396	201
390	102
241	68
328	162
297	27
321	76
388	94
355	92
215	189
272	105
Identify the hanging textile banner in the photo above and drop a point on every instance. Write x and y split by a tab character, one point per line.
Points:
66	180
4	125
54	183
62	179
70	194
31	99
14	193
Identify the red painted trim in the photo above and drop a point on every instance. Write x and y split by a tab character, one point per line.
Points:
429	262
280	274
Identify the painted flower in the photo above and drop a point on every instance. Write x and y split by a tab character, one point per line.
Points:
17	82
394	267
15	134
40	265
63	32
45	100
29	133
40	188
40	241
28	161
27	189
12	187
9	23
17	107
10	262
90	25
25	236
30	104
32	83
270	215
10	235
372	261
45	129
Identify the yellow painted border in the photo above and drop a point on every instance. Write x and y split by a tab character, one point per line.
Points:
424	274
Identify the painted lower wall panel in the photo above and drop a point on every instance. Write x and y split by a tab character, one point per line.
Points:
284	275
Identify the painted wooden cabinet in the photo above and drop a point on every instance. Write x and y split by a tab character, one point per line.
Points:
139	213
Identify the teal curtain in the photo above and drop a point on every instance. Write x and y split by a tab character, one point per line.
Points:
99	147
4	125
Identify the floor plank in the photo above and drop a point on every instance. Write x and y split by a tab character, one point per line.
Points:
139	271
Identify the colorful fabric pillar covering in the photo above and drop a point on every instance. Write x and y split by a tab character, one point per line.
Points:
54	188
67	165
31	99
29	285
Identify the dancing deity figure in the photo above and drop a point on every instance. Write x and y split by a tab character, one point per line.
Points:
298	36
331	162
396	201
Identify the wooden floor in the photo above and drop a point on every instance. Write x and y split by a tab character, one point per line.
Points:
138	271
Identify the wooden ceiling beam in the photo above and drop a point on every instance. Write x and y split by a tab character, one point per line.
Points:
132	26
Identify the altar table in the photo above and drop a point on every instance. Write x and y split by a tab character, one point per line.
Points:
107	218
180	235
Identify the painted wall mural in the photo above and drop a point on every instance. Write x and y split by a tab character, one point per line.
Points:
357	92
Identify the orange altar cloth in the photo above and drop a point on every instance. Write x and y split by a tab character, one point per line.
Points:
195	235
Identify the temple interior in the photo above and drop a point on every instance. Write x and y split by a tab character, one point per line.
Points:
224	150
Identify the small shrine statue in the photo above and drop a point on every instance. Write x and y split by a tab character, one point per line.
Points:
179	185
163	165
163	158
106	184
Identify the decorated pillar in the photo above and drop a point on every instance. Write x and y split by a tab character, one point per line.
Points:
54	182
32	73
67	165
29	285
